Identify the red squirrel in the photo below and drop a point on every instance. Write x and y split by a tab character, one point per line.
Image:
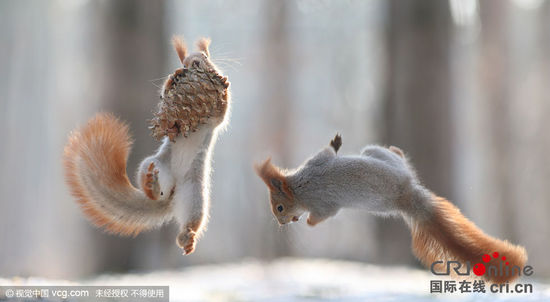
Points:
174	182
383	182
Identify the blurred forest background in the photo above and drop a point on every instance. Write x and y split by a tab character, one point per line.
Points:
462	86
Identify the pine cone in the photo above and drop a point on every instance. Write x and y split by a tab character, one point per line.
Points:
191	97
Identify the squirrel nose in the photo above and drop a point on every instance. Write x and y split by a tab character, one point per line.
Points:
295	218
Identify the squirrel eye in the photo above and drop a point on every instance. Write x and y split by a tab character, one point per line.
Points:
196	63
280	208
161	193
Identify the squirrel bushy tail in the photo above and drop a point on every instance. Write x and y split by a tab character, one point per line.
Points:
95	170
448	235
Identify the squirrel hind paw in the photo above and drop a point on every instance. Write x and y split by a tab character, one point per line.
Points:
186	241
336	142
150	184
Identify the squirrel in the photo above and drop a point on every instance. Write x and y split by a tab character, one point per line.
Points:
382	181
174	182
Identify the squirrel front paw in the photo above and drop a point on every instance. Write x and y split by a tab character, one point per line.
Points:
150	184
310	222
313	219
187	240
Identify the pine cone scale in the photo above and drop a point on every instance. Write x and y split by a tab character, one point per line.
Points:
191	98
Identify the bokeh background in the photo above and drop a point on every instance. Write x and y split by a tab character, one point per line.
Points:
462	86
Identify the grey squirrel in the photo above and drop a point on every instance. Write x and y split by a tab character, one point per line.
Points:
381	181
174	181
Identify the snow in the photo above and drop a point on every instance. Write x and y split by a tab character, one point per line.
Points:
292	279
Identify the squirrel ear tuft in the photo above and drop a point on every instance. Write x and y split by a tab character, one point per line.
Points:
269	174
203	44
397	151
181	48
262	170
273	177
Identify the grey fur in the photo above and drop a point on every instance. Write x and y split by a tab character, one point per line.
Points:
378	180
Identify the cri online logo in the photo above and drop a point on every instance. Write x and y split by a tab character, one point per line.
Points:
482	268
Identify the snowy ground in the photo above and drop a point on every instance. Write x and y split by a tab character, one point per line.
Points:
295	280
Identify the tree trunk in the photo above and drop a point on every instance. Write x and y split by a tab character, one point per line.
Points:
132	34
417	104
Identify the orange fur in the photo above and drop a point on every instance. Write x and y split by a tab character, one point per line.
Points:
180	47
187	240
267	171
203	44
283	205
103	134
448	235
146	181
144	184
397	151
